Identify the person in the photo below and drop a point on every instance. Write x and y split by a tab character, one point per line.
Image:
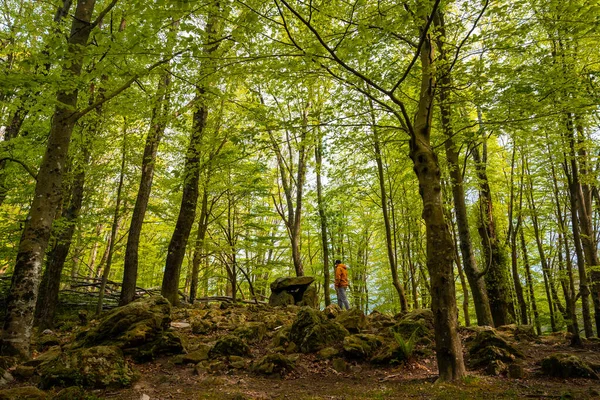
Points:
341	284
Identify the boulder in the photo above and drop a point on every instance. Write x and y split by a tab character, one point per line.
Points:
290	283
273	364
23	372
252	332
130	326
49	355
339	364
332	311
23	393
293	290
281	337
327	353
417	322
5	377
95	367
526	333
488	347
516	371
281	299
72	393
312	331
139	328
354	320
201	326
198	355
567	366
361	346
229	345
380	321
48	339
495	368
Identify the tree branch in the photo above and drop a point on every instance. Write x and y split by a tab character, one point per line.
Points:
29	170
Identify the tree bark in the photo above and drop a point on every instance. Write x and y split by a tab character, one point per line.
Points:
189	200
115	225
48	295
536	315
158	124
34	240
495	258
440	248
386	220
322	219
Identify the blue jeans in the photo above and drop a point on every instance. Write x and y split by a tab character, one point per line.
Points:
341	298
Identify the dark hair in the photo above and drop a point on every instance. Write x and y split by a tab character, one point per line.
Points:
337	262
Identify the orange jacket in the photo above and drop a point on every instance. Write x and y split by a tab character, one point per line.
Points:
341	276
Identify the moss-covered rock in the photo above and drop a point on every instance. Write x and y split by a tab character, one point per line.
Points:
380	321
339	364
273	364
96	367
47	339
229	345
200	354
332	311
386	354
354	320
567	366
309	298
201	326
361	346
311	331
5	377
23	372
526	333
130	326
169	343
328	353
23	393
72	393
51	354
281	299
488	346
252	332
281	337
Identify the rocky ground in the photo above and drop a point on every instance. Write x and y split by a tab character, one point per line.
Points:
224	351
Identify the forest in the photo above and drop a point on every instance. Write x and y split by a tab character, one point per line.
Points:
448	152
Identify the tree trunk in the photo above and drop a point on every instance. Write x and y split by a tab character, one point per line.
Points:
199	246
512	238
34	240
322	219
440	248
191	174
386	221
158	124
48	295
495	258
115	225
572	175
536	315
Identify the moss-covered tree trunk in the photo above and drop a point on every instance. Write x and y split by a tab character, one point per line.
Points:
48	191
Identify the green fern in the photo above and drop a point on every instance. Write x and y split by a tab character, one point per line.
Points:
406	348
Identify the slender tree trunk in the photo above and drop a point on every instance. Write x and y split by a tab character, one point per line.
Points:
322	219
48	295
115	225
34	240
496	275
158	124
199	247
386	222
570	287
574	189
474	276
536	315
512	239
189	200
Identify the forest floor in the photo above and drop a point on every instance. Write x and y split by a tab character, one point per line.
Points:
317	379
314	378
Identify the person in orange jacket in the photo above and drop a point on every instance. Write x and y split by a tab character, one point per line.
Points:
341	284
